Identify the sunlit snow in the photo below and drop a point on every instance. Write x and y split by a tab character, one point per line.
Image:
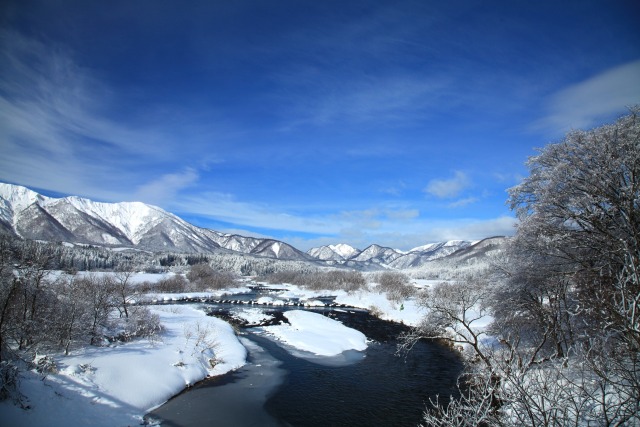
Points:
115	385
317	334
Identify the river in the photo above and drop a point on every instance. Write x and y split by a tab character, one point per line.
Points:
278	388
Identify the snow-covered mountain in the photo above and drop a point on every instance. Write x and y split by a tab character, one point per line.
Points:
137	225
127	224
340	252
386	257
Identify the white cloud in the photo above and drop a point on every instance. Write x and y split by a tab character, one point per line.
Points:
164	189
583	105
57	106
448	188
374	99
226	207
397	228
463	202
405	214
53	125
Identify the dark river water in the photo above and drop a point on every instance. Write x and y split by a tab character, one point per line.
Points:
278	388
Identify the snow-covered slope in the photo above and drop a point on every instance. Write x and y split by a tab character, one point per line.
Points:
378	254
133	224
387	257
340	252
344	250
15	199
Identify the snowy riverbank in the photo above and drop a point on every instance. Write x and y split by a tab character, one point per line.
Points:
115	386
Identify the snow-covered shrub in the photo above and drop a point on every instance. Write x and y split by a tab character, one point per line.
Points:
140	323
395	284
279	277
375	311
10	381
174	284
331	280
349	281
45	365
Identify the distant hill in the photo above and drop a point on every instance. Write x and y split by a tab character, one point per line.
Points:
343	254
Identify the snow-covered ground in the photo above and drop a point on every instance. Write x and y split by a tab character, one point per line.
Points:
315	333
115	386
407	312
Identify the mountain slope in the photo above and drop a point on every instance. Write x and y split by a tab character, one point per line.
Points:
339	253
388	257
130	224
137	225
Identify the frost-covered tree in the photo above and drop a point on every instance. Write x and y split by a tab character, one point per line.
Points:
573	282
578	239
566	299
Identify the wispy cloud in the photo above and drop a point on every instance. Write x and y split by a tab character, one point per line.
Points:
226	207
53	131
583	104
389	99
61	129
52	102
164	189
448	188
463	202
362	71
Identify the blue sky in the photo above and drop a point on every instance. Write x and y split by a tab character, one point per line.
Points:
392	122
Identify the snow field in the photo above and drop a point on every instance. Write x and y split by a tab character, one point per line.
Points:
315	333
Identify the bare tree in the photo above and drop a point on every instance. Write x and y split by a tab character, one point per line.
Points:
8	290
100	295
454	311
74	316
124	286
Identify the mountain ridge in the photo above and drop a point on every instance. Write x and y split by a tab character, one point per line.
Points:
389	257
73	219
138	225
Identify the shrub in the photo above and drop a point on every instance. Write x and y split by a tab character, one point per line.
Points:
203	277
141	323
396	285
173	284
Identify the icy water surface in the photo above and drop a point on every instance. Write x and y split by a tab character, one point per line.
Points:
232	400
279	388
